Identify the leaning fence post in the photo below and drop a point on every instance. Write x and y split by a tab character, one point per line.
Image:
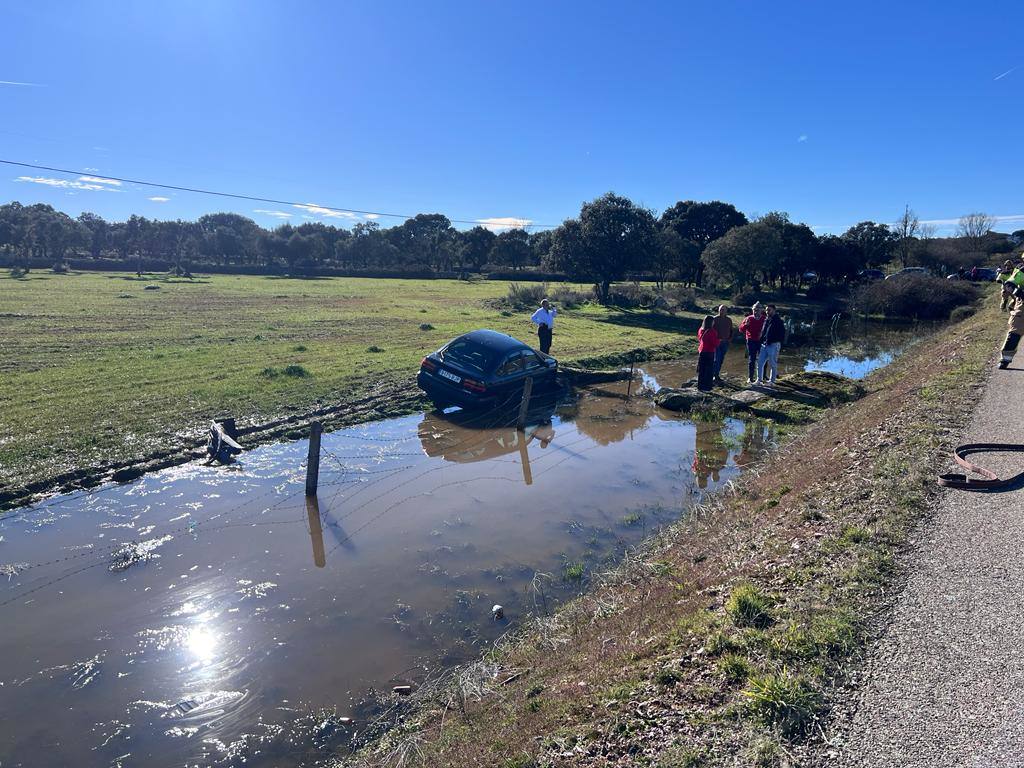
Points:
313	460
632	362
525	405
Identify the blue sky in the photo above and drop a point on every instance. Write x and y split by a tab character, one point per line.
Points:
832	112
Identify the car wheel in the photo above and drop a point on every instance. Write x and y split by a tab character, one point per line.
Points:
439	405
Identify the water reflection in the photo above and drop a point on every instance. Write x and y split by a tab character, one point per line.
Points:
316	531
711	452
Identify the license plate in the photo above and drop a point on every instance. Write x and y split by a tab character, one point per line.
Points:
449	376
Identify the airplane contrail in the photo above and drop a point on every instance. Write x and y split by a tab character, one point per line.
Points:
15	82
1000	77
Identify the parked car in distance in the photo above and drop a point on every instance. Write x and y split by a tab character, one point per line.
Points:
483	369
871	274
908	271
809	277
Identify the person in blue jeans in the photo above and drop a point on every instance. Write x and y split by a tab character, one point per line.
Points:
772	336
751	327
725	330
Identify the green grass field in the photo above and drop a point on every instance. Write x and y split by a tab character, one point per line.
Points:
94	367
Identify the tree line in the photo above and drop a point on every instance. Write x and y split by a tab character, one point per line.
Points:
611	239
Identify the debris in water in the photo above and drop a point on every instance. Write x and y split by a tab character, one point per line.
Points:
136	552
10	570
497	613
402	690
221	445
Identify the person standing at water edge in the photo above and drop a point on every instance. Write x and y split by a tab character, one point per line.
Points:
707	343
545	320
1016	324
751	330
725	330
772	335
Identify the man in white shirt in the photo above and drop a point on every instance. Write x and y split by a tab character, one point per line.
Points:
545	320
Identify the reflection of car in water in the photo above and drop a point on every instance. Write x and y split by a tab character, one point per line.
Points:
483	369
463	438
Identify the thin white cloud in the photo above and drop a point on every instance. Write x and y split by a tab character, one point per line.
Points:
275	214
65	183
501	223
327	213
372	216
802	139
92	170
1007	72
1013	217
15	82
159	199
99	180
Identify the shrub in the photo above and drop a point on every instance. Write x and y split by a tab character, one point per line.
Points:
374	349
573	571
630	296
680	297
747	607
524	296
914	296
745	298
820	291
785	701
569	298
295	371
734	668
961	313
426	327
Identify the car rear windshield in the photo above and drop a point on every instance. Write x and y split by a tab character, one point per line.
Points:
469	356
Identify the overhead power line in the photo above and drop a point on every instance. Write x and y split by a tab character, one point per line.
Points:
256	199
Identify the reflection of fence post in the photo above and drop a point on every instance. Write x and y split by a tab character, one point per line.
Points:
316	531
632	362
313	460
524	457
525	405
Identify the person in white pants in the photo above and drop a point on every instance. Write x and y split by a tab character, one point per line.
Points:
772	336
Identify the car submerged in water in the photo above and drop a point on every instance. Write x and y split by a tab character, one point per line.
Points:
484	369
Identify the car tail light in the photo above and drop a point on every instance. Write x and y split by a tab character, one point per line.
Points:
429	364
474	386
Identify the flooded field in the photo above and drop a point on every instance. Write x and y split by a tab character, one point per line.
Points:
213	615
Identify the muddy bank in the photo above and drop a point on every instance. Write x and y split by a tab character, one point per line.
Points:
387	400
723	641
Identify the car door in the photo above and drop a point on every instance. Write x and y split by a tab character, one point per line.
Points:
535	367
510	374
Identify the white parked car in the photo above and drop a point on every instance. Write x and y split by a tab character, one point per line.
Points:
908	271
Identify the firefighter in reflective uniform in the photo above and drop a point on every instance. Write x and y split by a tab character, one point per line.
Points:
1014	289
1005	272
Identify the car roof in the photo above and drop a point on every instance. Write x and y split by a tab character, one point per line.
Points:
499	342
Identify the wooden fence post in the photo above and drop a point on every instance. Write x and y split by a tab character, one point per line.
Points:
525	405
632	362
313	460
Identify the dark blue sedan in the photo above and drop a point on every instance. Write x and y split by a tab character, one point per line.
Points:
484	369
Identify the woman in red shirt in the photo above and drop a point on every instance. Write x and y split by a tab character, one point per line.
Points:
707	343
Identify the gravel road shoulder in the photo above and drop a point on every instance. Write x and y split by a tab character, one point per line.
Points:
943	685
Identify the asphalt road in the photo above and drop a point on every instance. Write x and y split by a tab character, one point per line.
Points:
945	685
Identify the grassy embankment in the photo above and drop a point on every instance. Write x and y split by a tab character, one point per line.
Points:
725	641
96	370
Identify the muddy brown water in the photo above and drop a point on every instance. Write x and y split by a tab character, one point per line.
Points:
212	615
